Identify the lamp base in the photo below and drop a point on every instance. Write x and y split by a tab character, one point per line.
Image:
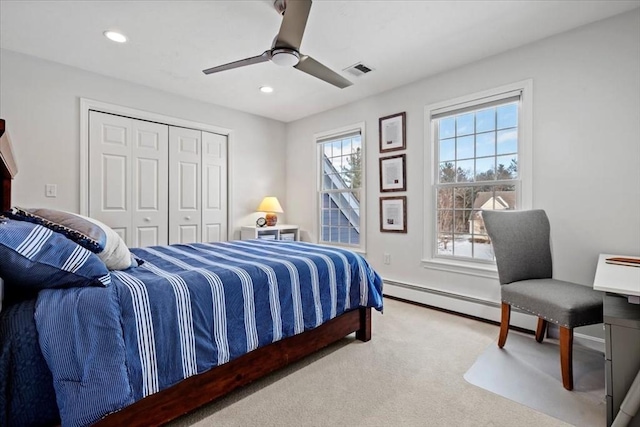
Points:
272	219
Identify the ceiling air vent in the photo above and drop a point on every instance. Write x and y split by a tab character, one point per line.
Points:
358	69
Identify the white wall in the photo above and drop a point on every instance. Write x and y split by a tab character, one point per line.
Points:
40	101
586	155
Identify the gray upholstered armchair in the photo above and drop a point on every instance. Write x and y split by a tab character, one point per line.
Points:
523	255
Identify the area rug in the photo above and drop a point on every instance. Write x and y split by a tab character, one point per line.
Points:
529	373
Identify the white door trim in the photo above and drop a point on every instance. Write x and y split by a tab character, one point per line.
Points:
87	104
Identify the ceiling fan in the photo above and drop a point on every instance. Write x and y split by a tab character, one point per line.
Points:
285	49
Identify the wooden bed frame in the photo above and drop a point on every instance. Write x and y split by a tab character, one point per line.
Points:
198	390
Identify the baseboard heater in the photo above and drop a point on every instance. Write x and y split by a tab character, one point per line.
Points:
552	330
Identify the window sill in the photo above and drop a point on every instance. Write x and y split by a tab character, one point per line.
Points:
487	271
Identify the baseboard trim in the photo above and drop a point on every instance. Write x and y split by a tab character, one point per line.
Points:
473	308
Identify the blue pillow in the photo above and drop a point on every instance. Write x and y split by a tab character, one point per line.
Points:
87	232
36	257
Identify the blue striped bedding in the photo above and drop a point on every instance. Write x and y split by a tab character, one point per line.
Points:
187	309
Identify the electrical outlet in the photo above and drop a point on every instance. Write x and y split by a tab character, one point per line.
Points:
51	190
387	258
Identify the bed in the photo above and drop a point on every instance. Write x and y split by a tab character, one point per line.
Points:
189	325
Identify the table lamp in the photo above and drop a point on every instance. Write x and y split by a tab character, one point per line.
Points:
270	205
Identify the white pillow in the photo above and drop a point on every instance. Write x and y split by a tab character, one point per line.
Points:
87	232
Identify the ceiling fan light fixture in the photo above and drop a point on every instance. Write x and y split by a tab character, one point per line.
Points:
285	57
115	36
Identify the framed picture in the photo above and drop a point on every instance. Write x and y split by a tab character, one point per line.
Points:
392	132
393	214
392	173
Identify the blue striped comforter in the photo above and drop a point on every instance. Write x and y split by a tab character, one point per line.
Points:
187	309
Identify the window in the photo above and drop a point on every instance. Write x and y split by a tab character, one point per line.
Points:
341	188
478	146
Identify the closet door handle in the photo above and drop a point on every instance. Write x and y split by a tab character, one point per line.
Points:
147	219
188	218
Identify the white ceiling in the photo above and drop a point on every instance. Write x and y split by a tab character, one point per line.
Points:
171	42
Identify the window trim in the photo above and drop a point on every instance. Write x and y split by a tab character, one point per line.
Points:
319	138
479	268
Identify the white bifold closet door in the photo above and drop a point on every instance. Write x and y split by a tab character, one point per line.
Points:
185	180
214	191
128	177
157	184
197	186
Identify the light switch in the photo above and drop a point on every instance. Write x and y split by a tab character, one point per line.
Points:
51	190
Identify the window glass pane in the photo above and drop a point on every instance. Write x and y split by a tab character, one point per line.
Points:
447	149
507	116
464	124
346	146
445	198
482	248
328	183
356	143
447	127
486	120
506	197
462	247
460	220
507	141
343	219
507	167
485	144
325	217
447	172
485	169
355	237
337	148
345	234
352	168
464	147
462	197
445	221
325	234
326	149
445	244
465	170
334	233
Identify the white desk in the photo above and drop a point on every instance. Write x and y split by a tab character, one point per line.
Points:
619	279
622	333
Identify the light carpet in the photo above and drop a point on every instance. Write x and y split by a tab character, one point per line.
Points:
529	373
409	374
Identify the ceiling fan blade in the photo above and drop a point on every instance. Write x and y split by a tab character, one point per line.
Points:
310	66
241	63
293	23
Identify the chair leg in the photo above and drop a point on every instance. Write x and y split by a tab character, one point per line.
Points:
541	330
504	324
566	357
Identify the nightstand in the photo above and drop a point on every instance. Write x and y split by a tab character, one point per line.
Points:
277	232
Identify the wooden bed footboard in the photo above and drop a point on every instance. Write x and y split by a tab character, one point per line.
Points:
196	391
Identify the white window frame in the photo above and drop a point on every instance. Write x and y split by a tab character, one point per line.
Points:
480	268
334	133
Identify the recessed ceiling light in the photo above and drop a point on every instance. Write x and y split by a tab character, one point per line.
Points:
266	89
115	36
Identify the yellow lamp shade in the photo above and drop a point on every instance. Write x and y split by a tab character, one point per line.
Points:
270	204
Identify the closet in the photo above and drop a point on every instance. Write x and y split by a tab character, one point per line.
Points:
157	184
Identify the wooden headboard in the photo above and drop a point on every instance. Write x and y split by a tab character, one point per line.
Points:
8	167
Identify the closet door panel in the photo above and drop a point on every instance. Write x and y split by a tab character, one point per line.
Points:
150	213
214	192
185	177
110	142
